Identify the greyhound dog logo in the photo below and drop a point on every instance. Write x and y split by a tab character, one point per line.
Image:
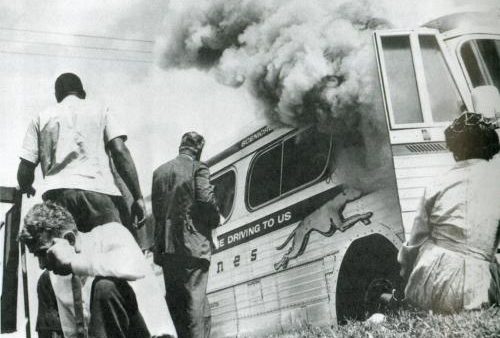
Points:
326	220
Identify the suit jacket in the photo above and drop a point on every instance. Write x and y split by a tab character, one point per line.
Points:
183	203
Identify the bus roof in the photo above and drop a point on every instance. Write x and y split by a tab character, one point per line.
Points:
246	141
464	20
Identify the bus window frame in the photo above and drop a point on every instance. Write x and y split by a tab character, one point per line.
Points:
465	39
255	157
420	77
218	174
280	196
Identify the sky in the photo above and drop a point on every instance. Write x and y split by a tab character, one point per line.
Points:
111	47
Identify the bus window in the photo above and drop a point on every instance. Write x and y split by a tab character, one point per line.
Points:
445	100
481	58
265	177
292	163
400	71
305	157
224	186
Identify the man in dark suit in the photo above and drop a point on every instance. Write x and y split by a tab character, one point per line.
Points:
185	212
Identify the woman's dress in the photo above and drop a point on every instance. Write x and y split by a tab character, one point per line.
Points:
454	239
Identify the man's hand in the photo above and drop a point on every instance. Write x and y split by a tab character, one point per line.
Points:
26	177
59	257
29	191
138	210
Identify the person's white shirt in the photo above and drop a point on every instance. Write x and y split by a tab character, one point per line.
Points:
68	139
109	250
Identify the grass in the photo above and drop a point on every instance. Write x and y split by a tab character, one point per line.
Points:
408	323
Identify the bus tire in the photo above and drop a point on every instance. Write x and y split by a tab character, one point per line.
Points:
367	262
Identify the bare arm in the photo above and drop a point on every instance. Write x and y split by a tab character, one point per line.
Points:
419	233
26	176
125	166
29	159
127	171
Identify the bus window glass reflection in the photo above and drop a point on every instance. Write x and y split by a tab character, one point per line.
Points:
444	97
293	163
224	187
265	177
402	83
304	158
482	61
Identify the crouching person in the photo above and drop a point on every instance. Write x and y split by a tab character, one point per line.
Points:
103	285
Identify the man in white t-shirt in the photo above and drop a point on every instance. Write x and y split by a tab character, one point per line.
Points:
71	141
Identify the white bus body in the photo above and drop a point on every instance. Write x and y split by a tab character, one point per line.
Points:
259	281
426	78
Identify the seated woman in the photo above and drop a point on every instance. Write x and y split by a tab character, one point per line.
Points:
454	238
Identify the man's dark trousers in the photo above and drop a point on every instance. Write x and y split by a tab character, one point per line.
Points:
48	324
186	284
88	208
113	310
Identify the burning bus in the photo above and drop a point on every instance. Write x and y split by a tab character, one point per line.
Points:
315	214
313	217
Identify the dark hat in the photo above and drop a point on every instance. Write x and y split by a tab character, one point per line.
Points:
192	142
68	83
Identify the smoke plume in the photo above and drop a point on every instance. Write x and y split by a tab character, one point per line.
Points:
304	62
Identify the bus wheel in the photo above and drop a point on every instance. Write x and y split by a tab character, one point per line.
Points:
369	267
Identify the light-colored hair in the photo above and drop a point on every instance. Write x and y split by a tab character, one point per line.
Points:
47	217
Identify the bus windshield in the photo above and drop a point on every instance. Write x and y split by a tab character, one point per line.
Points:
481	58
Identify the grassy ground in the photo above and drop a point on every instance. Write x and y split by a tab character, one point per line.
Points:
485	323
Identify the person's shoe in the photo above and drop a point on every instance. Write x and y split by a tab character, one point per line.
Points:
379	297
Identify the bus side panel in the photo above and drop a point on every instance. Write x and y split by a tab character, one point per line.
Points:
270	297
292	298
413	173
223	312
302	290
258	305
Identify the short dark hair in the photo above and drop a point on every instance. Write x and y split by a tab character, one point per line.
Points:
471	136
67	84
47	217
192	143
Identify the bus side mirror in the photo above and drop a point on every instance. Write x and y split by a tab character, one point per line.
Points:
486	101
